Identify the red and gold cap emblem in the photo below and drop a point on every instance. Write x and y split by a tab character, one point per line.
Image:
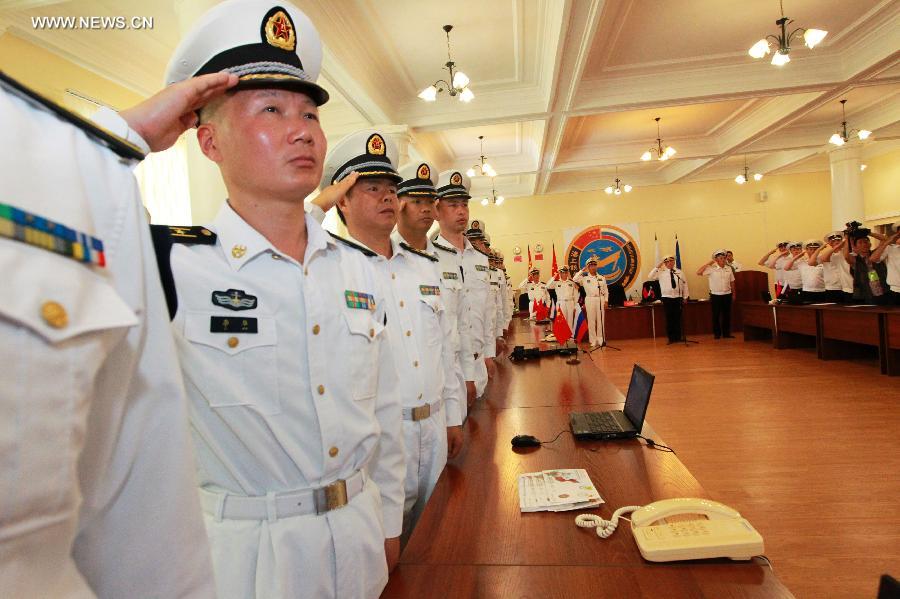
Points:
456	179
375	145
280	31
424	172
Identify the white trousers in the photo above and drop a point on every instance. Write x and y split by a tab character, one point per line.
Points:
338	554
567	307
594	308
426	456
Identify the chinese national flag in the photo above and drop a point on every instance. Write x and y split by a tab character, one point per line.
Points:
529	259
561	329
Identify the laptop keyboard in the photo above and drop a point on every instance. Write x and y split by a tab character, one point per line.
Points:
602	421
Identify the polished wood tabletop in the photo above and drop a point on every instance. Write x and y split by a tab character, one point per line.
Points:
473	540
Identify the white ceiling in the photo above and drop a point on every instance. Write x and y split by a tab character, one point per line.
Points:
566	90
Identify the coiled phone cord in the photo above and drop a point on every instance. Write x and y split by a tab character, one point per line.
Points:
605	528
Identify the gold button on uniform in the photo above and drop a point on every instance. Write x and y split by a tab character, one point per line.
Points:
371	332
408	333
276	257
238	251
321	389
54	315
401	303
333	452
393	276
316	329
416	363
233	342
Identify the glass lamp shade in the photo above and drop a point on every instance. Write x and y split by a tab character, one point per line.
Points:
646	156
484	202
429	94
460	80
864	134
618	191
627	188
670	151
757	177
779	59
609	190
500	200
812	37
466	95
740	180
836	139
759	49
470	173
863	167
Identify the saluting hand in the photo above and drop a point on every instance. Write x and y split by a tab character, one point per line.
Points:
331	194
164	116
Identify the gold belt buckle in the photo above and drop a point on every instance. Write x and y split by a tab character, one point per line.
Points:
331	497
421	412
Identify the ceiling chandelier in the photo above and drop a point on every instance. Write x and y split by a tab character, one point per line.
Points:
483	169
459	82
745	176
617	189
811	37
843	136
661	154
494	199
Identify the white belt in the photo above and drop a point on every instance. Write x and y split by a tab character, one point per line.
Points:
421	412
283	505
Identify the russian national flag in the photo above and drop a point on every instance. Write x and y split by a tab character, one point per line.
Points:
581	328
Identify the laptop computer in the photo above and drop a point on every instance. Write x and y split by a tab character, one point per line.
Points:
617	424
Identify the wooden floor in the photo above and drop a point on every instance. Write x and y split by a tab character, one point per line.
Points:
807	450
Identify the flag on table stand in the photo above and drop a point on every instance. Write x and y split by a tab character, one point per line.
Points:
561	329
677	253
529	260
554	271
581	328
656	258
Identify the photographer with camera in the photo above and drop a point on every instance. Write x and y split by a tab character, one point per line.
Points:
869	277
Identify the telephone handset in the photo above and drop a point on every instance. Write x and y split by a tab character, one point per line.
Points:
724	534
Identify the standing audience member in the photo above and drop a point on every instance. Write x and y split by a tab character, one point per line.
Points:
836	270
869	277
566	294
736	267
775	260
721	292
674	289
812	277
888	253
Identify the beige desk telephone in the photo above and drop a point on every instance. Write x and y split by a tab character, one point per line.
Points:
724	534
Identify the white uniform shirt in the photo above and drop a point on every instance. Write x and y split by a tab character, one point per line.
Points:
307	400
476	285
497	285
594	285
779	268
891	255
664	276
836	272
566	291
427	358
792	277
812	277
97	469
720	279
536	291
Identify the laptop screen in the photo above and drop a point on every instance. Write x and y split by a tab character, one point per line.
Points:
638	396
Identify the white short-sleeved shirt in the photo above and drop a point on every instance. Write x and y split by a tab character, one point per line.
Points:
720	279
812	277
664	276
566	291
891	256
594	285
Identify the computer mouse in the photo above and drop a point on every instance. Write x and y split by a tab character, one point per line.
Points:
525	441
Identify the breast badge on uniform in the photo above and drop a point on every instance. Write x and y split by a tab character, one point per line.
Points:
359	300
224	324
450	275
38	231
234	299
429	290
481	267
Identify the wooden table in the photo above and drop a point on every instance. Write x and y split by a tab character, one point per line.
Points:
473	541
836	331
649	321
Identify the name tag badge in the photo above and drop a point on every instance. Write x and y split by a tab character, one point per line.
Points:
481	267
450	275
359	300
429	290
227	324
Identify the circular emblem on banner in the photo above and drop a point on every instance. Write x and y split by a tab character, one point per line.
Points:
618	258
517	251
424	172
538	248
456	179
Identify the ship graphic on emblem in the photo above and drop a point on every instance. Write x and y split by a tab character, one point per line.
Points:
234	299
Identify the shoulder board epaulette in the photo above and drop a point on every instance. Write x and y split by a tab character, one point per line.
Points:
493	269
443	247
161	235
355	246
480	252
410	248
112	141
192	235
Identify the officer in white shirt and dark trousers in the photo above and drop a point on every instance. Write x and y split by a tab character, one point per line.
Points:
596	296
281	331
674	289
775	259
721	292
97	469
836	270
483	315
812	276
566	294
536	290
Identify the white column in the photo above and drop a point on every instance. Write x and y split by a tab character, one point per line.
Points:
846	185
